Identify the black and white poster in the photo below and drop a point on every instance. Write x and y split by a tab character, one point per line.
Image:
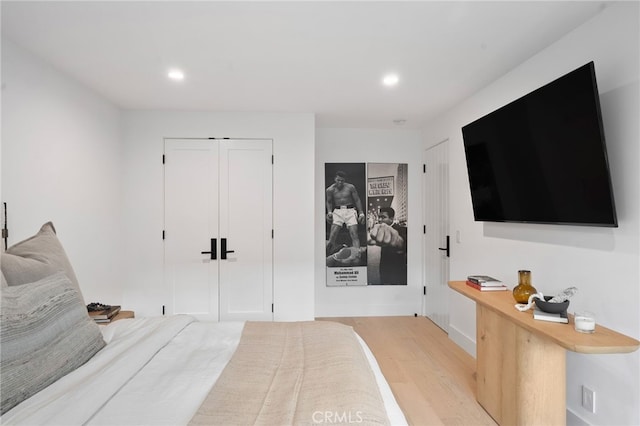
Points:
387	223
366	223
346	242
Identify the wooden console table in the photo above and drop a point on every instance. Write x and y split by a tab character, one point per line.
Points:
521	362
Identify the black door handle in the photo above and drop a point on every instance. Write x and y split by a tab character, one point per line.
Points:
213	252
445	248
223	249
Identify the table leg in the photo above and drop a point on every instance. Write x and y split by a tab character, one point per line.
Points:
521	378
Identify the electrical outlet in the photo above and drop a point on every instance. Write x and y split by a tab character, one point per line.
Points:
588	399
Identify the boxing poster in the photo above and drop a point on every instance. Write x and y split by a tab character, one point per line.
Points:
366	224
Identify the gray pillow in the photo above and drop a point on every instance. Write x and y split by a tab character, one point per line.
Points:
45	333
35	258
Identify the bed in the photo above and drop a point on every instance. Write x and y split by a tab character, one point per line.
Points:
59	367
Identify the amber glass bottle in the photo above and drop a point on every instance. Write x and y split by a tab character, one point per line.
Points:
524	289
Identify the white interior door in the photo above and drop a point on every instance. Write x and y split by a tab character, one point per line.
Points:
246	290
218	228
191	222
436	237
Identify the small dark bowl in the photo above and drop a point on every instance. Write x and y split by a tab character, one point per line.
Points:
552	308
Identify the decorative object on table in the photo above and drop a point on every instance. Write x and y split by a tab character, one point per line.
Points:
584	322
546	305
565	294
560	317
548	302
95	307
102	313
524	289
530	302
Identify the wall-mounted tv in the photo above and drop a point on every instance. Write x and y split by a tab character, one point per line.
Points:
542	158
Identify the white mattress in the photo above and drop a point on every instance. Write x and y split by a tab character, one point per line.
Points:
152	371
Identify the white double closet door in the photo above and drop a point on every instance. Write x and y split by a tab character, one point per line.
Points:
218	235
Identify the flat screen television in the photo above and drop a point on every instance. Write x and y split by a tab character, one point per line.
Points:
542	158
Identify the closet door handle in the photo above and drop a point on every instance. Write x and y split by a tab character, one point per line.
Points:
223	249
213	252
445	248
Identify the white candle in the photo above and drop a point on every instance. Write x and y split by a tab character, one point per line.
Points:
585	322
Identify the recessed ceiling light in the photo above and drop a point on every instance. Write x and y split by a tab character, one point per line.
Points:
176	75
390	79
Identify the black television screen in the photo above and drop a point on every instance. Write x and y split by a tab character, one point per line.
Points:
542	158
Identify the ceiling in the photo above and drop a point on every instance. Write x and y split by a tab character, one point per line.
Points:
324	57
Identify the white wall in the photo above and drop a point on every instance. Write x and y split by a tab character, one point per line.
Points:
293	141
61	159
602	262
73	158
370	146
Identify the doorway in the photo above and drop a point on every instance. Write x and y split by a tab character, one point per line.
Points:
218	236
436	240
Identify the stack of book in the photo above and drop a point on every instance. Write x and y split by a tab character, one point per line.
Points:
485	283
105	315
546	316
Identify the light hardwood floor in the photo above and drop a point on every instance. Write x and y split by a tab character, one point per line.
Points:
431	377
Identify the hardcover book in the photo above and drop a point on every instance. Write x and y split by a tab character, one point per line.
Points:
484	280
546	316
487	287
104	314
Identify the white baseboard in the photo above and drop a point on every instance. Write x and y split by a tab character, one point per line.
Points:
462	340
344	310
574	420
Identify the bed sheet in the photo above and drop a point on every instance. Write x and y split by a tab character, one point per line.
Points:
171	387
152	371
396	416
76	397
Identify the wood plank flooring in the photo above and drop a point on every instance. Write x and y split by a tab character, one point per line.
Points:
432	378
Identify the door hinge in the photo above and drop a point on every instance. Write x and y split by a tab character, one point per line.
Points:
163	310
272	159
424	290
424	229
163	234
424	168
272	308
163	159
272	234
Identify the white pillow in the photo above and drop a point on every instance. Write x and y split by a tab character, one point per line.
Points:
45	333
35	258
